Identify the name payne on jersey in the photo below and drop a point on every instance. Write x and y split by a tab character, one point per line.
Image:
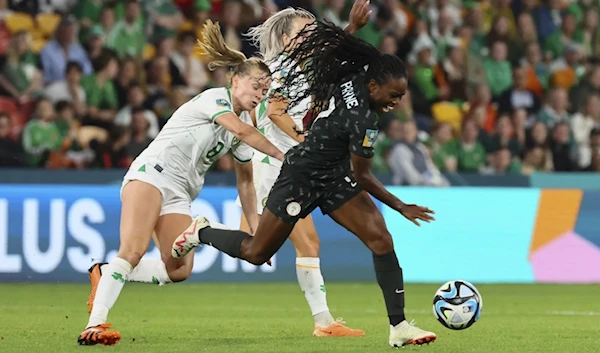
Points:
349	95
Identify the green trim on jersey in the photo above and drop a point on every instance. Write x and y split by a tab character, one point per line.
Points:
229	95
262	108
218	114
262	130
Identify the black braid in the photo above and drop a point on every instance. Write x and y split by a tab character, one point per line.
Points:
326	56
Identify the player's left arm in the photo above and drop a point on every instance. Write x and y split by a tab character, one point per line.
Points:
359	16
362	138
247	193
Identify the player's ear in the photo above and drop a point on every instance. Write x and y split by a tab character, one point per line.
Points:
372	86
235	81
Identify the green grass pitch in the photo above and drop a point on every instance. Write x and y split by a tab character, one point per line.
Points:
266	318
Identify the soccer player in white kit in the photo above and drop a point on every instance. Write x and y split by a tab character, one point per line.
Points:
281	126
168	175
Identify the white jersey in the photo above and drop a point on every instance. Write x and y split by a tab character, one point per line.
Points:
297	113
191	141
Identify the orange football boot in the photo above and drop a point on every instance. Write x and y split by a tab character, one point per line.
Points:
94	335
95	274
337	329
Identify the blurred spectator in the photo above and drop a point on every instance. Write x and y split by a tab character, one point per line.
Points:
501	163
139	133
11	152
60	50
536	70
442	150
112	153
158	84
189	67
537	159
127	38
100	92
470	154
94	44
429	77
135	102
504	137
5	11
526	35
582	125
392	134
88	12
587	34
555	44
128	74
585	88
595	165
497	69
519	96
500	31
455	72
565	71
410	162
483	100
177	98
519	121
69	89
20	77
163	18
562	153
537	136
555	109
389	44
41	135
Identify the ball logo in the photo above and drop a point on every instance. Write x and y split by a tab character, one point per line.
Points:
293	208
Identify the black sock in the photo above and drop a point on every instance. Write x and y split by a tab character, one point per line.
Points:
227	241
391	282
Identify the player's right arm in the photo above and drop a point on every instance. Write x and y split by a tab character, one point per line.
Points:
277	112
248	134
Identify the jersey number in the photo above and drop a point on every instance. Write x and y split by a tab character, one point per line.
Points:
213	152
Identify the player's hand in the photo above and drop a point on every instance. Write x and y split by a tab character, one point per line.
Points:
359	15
415	213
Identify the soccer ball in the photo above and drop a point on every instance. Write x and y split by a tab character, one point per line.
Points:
457	305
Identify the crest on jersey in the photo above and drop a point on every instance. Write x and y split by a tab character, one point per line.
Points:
223	103
370	138
293	208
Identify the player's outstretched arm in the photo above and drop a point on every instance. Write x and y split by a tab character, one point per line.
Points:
277	112
368	181
249	135
247	192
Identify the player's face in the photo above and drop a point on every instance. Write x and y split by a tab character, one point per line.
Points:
250	89
384	97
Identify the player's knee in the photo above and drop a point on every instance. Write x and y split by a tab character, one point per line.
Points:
181	273
256	258
381	243
130	255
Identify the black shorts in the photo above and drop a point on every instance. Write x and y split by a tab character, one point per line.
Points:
292	198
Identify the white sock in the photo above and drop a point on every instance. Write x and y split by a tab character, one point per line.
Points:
312	284
149	271
112	281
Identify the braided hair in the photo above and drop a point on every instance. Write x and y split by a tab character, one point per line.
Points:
322	54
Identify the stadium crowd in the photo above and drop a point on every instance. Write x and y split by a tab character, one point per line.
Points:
495	87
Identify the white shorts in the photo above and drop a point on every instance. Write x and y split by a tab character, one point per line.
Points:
264	176
175	198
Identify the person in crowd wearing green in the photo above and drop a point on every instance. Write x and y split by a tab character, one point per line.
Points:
41	135
497	69
100	92
127	38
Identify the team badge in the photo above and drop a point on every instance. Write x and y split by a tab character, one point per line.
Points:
264	202
370	138
236	141
293	208
223	103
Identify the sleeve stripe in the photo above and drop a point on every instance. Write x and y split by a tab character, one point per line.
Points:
216	115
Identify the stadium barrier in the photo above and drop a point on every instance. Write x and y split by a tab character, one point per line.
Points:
52	233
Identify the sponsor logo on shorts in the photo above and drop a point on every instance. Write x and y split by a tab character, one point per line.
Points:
293	208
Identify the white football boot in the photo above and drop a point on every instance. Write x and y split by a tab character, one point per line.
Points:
404	334
188	240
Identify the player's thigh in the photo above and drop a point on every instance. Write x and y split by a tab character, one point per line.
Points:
174	219
361	216
305	238
141	204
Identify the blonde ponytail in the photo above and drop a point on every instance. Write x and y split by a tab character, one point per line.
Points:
213	45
